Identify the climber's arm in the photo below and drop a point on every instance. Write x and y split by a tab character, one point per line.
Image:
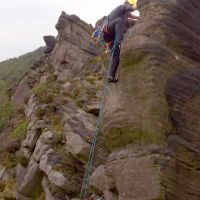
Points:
132	16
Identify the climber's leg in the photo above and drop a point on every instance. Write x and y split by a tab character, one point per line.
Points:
114	63
117	26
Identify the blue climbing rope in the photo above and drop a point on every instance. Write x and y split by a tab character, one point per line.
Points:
85	184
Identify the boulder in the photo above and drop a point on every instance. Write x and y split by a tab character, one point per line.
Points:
21	92
97	180
43	144
50	43
30	106
93	107
76	145
29	181
33	133
54	177
48	194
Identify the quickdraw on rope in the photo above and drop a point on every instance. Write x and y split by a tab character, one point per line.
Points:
85	184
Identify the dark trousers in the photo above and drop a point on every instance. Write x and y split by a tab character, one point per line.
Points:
117	26
114	60
116	29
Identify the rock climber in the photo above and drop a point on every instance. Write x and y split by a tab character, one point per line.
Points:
117	20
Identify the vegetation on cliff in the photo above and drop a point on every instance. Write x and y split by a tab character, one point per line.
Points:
12	69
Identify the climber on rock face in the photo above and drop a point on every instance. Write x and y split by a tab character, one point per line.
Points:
117	20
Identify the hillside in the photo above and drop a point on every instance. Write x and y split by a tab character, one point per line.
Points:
12	69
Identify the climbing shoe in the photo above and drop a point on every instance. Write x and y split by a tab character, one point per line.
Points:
112	79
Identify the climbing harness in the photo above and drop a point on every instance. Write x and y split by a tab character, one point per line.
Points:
85	184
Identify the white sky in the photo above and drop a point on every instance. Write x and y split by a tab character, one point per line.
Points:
23	23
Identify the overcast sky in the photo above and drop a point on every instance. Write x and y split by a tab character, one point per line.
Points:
24	22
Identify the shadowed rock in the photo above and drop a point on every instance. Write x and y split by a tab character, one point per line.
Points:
50	43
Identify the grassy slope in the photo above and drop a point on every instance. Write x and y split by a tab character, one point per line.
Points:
11	71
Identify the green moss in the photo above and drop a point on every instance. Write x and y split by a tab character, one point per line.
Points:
37	194
19	132
8	191
91	79
175	45
59	148
39	89
8	160
2	186
82	158
39	113
51	79
130	60
58	139
54	119
56	122
100	86
74	93
79	103
6	110
42	196
22	160
94	60
120	137
64	100
47	92
57	144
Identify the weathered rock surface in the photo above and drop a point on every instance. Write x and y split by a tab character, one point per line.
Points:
160	53
97	180
48	193
76	145
21	91
44	143
74	46
29	179
50	43
54	176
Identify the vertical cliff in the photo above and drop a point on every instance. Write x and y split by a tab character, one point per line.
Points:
151	115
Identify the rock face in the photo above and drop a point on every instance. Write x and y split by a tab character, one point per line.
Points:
62	86
50	43
150	118
149	140
21	92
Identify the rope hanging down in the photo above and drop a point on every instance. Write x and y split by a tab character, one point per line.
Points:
85	184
